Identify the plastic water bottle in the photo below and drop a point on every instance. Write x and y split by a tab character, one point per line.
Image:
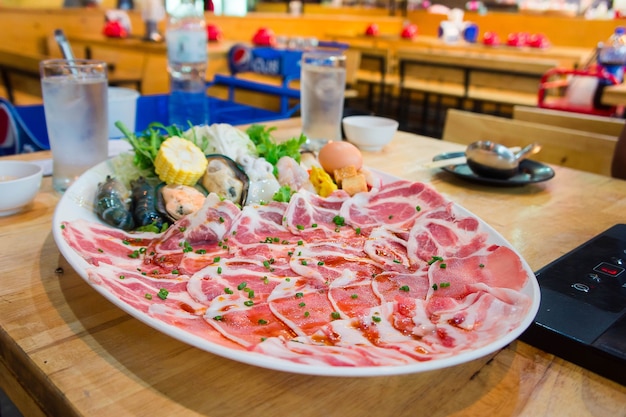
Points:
187	57
612	54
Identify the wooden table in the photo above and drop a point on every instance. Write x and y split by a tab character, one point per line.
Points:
566	56
66	351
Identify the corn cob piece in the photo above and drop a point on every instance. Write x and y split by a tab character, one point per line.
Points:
179	161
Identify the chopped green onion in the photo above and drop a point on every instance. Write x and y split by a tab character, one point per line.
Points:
339	221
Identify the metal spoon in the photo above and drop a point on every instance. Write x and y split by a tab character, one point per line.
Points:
490	159
64	44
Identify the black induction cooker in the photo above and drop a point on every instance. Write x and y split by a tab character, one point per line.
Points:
582	315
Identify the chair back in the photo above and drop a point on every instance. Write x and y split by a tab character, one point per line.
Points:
586	151
579	121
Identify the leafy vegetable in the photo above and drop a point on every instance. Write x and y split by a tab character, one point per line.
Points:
283	195
147	143
272	150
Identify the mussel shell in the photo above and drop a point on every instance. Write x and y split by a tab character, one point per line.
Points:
162	203
235	171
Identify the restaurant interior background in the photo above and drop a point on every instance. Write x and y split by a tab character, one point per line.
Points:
29	24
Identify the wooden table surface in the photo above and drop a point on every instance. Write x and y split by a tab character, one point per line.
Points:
66	351
566	56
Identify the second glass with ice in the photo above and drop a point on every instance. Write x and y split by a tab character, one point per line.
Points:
75	106
322	87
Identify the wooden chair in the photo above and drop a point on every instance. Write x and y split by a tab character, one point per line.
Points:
433	81
20	77
586	151
611	126
375	71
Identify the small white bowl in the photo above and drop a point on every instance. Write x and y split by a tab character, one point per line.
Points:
19	184
369	133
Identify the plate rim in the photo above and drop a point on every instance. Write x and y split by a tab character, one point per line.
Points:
79	197
491	181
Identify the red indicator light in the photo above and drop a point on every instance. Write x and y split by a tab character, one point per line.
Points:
609	269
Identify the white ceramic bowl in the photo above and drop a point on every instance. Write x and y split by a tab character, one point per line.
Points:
19	184
369	133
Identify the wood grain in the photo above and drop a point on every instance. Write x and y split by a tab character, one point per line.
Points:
611	126
588	151
78	355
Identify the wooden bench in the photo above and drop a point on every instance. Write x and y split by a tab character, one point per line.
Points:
586	151
611	126
469	78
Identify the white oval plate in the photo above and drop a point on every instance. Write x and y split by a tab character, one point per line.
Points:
77	203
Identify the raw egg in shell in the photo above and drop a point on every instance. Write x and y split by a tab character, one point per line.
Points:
337	155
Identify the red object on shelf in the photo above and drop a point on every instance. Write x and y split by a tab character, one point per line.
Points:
517	39
114	29
491	39
573	90
214	33
538	40
409	31
372	30
264	37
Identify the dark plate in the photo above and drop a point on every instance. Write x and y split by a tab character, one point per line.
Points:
530	172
